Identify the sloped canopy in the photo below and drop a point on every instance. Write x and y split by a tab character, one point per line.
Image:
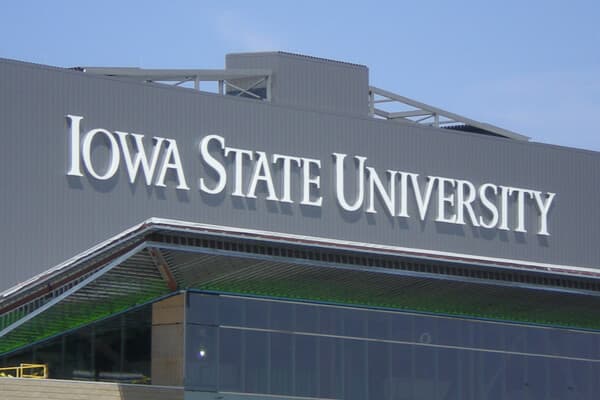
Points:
160	257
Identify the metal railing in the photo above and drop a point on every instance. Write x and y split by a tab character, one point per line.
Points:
34	371
414	111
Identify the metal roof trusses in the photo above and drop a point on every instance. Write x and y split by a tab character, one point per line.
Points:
178	77
413	111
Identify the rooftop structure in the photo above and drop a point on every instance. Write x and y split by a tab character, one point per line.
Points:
247	78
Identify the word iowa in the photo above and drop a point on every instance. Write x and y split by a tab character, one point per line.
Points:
154	166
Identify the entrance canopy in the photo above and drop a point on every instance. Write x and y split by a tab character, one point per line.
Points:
160	257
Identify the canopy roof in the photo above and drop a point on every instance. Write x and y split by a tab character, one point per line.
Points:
160	257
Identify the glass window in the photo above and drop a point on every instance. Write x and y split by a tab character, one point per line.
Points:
306	368
257	314
401	326
256	377
516	378
117	349
355	368
379	371
201	356
137	341
402	371
231	360
108	361
425	364
425	330
331	321
202	309
231	311
582	379
78	355
378	325
491	375
536	370
282	316
331	367
355	322
448	374
307	319
50	353
282	364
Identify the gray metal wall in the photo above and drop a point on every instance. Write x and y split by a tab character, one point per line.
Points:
48	217
311	82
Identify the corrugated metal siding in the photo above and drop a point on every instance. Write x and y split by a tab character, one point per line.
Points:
311	83
48	217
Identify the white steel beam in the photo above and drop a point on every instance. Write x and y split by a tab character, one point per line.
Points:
427	110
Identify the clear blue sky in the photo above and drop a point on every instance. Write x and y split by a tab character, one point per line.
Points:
529	66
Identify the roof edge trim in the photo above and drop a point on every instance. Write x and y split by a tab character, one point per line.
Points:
155	223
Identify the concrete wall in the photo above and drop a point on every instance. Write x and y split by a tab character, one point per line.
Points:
50	389
167	341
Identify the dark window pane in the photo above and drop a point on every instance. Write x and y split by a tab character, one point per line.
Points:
581	379
537	378
515	338
282	367
491	373
355	377
580	344
282	316
448	386
306	365
231	311
307	318
331	368
138	346
402	371
202	309
402	327
490	336
516	378
257	314
424	361
425	330
256	362
50	353
107	348
378	325
355	322
230	360
379	372
450	332
23	356
78	351
201	357
331	321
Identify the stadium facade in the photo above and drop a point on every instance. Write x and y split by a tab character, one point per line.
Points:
296	234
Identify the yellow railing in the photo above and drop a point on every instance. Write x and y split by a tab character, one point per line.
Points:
35	371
